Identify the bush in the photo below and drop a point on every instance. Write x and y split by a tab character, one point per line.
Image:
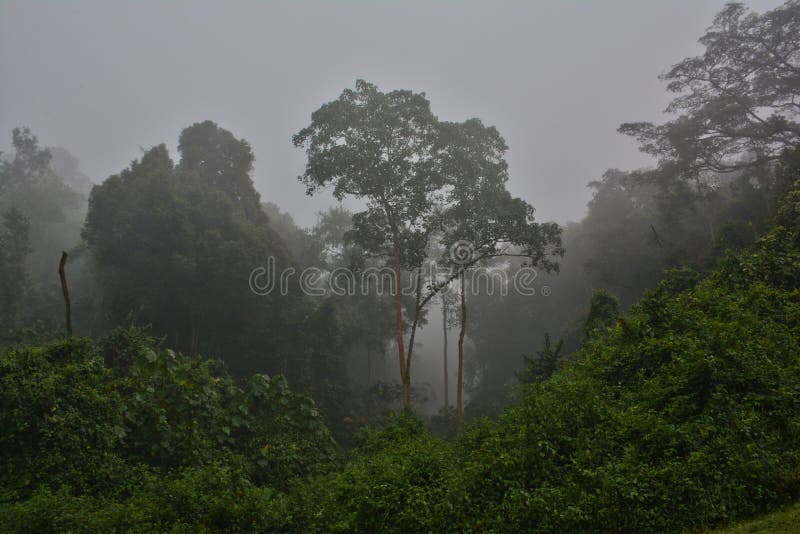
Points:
123	433
391	483
211	498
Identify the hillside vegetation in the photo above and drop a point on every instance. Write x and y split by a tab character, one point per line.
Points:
683	414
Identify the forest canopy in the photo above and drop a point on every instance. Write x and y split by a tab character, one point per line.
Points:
429	354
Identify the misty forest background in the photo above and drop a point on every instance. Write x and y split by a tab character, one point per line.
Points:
652	382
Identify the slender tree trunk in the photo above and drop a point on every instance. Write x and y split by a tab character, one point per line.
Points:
63	276
444	352
398	312
369	365
417	311
460	407
407	374
310	367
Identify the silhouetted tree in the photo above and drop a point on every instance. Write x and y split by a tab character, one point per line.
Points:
738	102
175	245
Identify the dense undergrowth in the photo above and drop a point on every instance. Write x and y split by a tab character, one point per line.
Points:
683	415
123	434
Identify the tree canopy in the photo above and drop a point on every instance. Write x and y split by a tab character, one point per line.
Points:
181	242
738	102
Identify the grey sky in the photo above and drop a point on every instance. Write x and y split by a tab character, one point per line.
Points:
105	78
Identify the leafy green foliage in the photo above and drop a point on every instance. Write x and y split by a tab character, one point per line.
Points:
682	414
209	498
175	245
391	485
122	431
603	311
545	363
59	425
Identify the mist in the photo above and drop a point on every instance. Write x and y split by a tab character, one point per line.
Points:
554	77
399	266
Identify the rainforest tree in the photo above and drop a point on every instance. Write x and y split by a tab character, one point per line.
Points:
738	102
379	147
174	246
481	220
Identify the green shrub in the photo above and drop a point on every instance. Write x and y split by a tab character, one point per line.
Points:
121	434
211	498
61	424
391	483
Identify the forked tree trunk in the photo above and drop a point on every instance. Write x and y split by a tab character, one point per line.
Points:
460	407
414	325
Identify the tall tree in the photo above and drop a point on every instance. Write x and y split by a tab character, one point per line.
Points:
175	245
446	304
738	103
224	161
481	219
379	147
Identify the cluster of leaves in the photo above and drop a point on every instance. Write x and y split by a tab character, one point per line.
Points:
217	497
121	431
391	483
